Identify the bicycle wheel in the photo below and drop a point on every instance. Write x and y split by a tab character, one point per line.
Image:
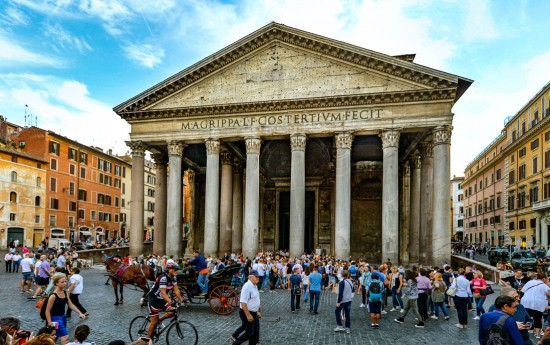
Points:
182	332
138	327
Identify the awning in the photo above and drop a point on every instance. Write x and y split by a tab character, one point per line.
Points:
99	231
58	232
85	232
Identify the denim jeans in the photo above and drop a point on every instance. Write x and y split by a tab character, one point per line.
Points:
306	294
314	300
437	306
346	307
479	306
203	282
396	299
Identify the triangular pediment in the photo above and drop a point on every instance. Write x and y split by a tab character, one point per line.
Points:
278	64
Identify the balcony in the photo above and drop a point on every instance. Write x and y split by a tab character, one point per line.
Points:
541	205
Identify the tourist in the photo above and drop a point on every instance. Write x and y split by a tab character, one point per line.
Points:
8	259
396	284
364	282
315	281
76	286
505	308
411	292
345	296
27	267
520	315
16	261
295	290
463	294
535	300
424	285
517	281
305	282
249	312
43	276
439	297
81	334
479	284
376	289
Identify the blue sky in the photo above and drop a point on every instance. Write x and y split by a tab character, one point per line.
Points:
72	61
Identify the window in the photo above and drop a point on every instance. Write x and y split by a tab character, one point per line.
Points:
71	222
522	128
82	172
52	220
499	174
72	169
460	223
117	183
459	198
534	194
497	219
53	184
122	203
13	176
13	197
512	158
512	177
485	222
547	136
12	217
54	203
38	181
92	215
37	201
511	225
521	172
123	171
533	223
522	224
116	218
547	159
521	199
82	195
124	188
116	201
100	178
84	158
491	204
123	217
53	164
107	200
80	214
100	199
513	136
54	148
480	185
37	218
522	152
72	154
71	188
479	208
117	170
461	210
534	144
535	165
511	202
486	182
499	201
100	216
72	206
14	159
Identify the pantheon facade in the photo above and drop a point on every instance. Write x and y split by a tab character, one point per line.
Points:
296	141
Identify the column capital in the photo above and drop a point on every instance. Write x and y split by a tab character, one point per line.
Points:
442	135
212	146
226	157
406	168
176	147
416	161
298	142
427	149
160	160
344	140
138	147
390	138
253	145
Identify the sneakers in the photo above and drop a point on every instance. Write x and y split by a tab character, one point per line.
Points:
393	309
476	318
383	312
362	305
348	331
419	325
340	329
372	325
399	320
434	317
460	326
447	318
537	336
377	326
402	311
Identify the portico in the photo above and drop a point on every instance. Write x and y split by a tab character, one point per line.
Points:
298	140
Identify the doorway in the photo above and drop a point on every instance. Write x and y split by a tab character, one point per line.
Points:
309	221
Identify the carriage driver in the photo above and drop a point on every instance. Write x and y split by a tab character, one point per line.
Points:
158	298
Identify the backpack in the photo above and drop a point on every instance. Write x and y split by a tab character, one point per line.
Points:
151	263
375	291
45	304
497	334
353	270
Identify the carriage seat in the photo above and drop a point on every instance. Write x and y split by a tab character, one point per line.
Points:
227	272
187	274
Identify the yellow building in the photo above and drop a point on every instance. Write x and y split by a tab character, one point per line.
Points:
527	172
22	196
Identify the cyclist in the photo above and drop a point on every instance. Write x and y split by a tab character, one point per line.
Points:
158	298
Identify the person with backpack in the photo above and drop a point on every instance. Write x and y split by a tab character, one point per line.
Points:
376	288
345	296
412	294
296	286
499	327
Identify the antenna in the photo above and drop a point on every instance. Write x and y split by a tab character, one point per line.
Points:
35	121
26	106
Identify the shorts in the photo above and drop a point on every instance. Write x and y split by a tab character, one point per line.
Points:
28	276
61	325
156	305
42	281
375	307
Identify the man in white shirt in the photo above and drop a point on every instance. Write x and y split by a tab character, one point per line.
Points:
249	312
76	285
27	267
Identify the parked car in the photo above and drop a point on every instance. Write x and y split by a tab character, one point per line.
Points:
524	259
496	254
79	246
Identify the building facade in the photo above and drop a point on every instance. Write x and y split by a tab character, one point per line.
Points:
297	141
457	208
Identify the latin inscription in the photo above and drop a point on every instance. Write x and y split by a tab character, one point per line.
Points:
282	120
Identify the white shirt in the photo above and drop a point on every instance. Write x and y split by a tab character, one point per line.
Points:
78	282
261	269
37	265
535	295
250	296
26	265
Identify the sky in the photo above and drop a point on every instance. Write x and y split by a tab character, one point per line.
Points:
69	62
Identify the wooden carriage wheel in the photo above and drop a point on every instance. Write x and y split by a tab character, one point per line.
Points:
223	299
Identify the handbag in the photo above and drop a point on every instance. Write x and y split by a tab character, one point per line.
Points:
488	291
39	303
452	290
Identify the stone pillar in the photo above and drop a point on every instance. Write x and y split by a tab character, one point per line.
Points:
251	233
414	230
138	187
159	243
174	218
342	219
441	250
237	221
426	199
226	204
390	195
212	197
404	219
297	194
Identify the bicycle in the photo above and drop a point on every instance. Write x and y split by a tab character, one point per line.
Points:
177	331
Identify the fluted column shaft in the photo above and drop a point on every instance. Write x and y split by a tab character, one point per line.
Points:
159	244
174	218
414	230
138	189
390	195
405	214
212	197
426	200
297	194
441	251
342	231
251	233
237	220
226	204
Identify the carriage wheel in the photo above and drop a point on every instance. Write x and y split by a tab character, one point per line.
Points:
223	299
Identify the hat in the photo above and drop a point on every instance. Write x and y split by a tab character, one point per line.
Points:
254	273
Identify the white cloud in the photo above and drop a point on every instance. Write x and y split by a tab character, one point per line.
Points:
65	40
479	23
12	16
144	54
12	55
113	14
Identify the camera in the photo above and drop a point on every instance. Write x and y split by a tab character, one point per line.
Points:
23	334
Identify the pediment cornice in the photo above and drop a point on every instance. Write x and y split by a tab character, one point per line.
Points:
275	32
412	96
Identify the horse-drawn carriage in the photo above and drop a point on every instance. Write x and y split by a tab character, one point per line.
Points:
222	295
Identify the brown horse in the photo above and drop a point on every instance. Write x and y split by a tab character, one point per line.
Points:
136	275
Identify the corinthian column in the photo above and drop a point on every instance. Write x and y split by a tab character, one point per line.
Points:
405	213
297	194
414	232
136	220
390	195
342	222
174	218
251	233
212	197
441	251
426	199
159	244
237	221
226	203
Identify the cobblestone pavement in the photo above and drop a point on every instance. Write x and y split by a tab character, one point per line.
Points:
109	322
